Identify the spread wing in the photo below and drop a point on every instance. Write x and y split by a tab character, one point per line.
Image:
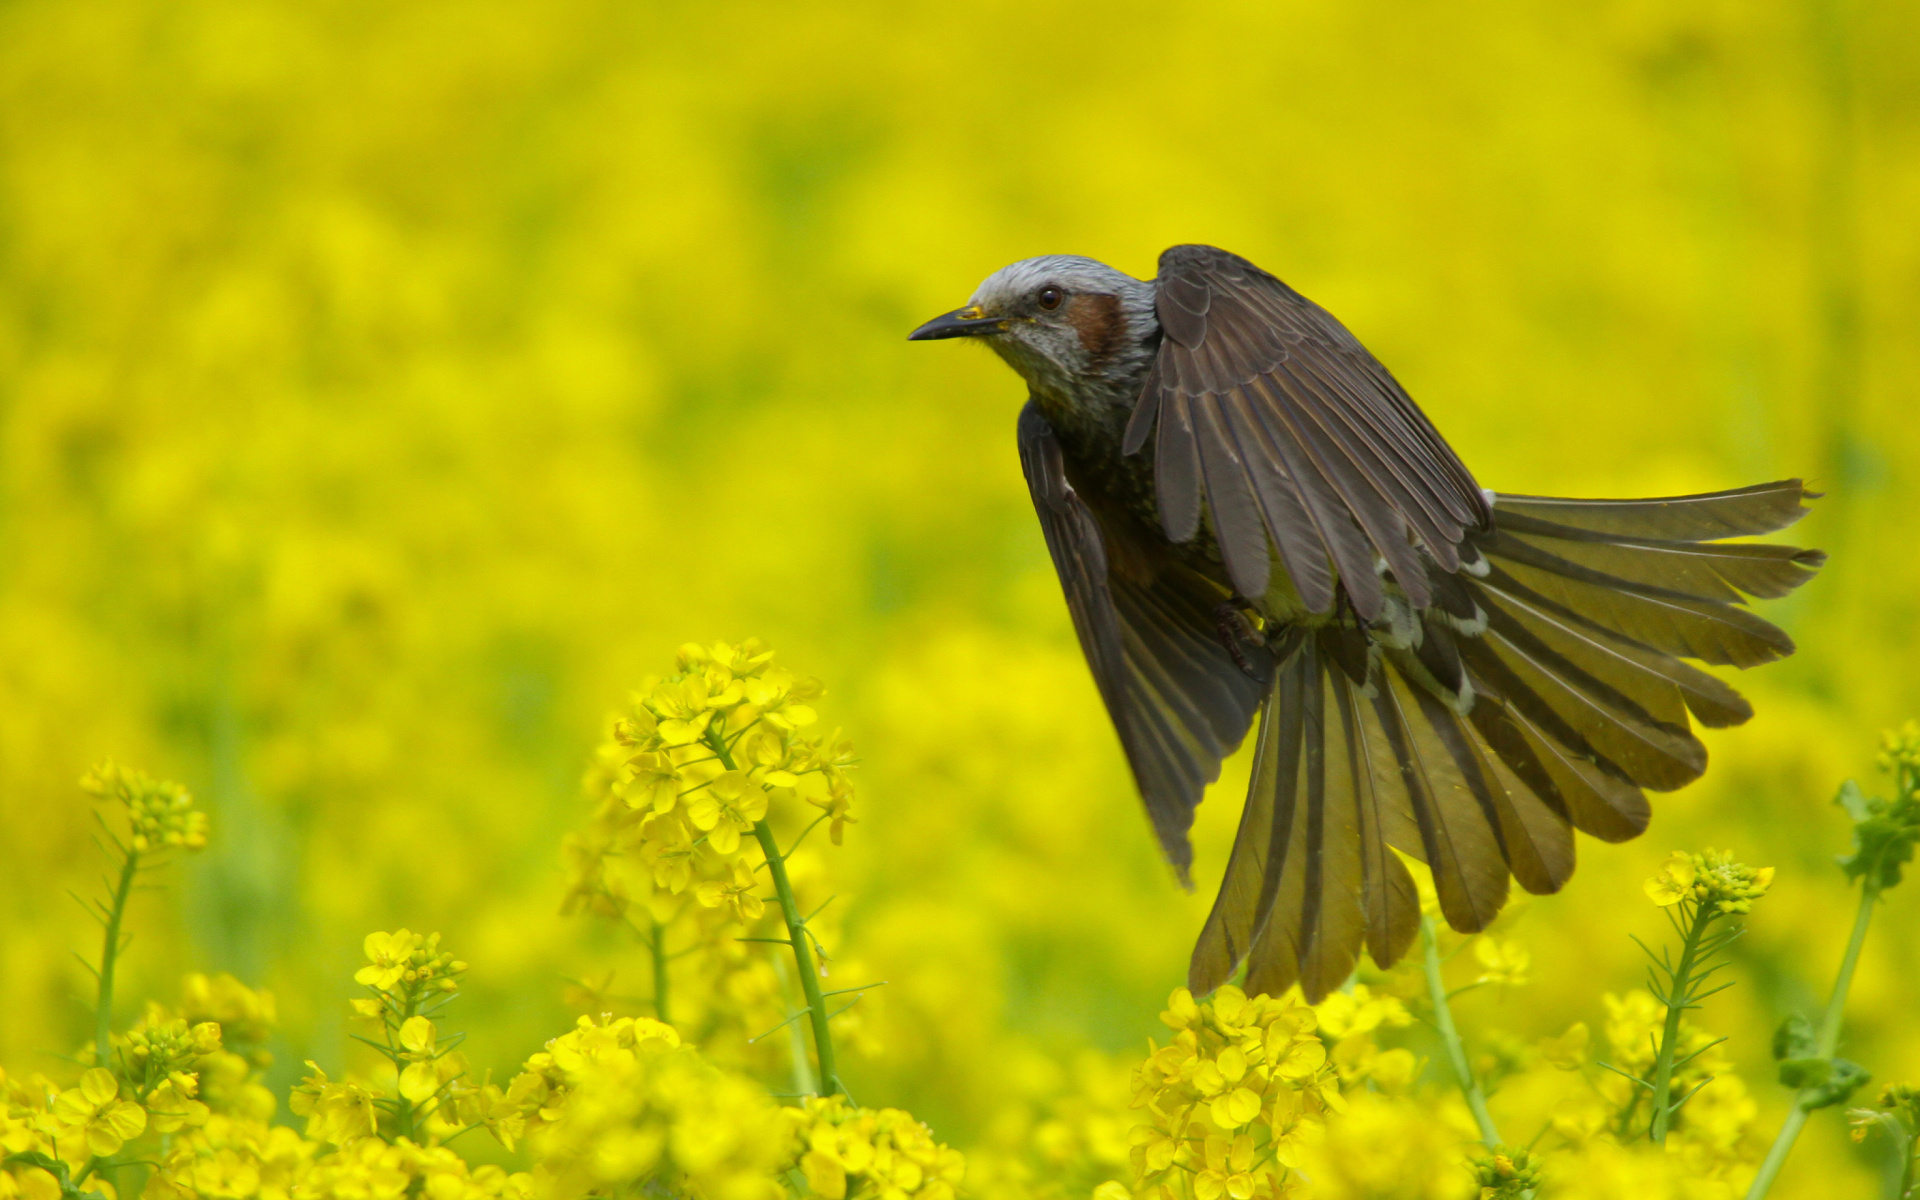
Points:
1178	700
1281	420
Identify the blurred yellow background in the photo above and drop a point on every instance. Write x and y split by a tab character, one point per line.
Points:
385	389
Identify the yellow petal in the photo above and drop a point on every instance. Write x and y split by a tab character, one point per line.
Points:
126	1119
419	1081
99	1086
1302	1058
1233	1064
1235	1109
824	1176
1228	1003
417	1035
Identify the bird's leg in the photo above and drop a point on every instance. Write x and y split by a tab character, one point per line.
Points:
1237	631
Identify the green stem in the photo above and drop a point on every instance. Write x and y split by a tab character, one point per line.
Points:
1678	997
660	973
796	935
1828	1041
403	1114
109	952
802	959
1450	1037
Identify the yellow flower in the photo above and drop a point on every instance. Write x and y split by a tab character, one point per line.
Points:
740	897
390	955
655	782
405	962
160	814
1506	962
336	1112
1711	877
726	808
172	1105
1343	1014
1569	1050
418	1040
1674	881
93	1115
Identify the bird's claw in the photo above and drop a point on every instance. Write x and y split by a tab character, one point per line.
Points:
1237	632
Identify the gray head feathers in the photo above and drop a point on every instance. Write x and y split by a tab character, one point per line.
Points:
1077	330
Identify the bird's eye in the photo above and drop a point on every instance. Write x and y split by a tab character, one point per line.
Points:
1050	298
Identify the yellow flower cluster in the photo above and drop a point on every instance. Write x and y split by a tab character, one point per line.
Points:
1349	1020
160	1057
1382	1146
851	1153
692	768
689	789
1231	1097
161	814
404	967
170	1075
232	1158
229	1075
245	1159
1064	1132
1711	878
618	1102
1900	750
1712	1140
411	979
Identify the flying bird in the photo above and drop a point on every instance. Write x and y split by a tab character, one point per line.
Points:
1251	519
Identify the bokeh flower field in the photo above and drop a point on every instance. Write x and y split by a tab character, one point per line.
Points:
388	391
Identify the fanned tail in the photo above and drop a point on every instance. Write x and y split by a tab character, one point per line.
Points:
1542	691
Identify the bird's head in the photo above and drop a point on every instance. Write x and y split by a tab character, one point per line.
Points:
1065	323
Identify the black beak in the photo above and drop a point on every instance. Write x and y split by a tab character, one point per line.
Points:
961	322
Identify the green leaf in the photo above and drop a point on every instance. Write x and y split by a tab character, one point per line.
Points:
1884	834
1795	1039
1805	1072
1842	1080
1858	805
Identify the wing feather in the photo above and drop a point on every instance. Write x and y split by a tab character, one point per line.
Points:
1178	701
1362	464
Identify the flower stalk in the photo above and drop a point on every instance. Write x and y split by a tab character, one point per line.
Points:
109	957
661	981
1827	1043
797	936
1450	1037
1678	999
1885	834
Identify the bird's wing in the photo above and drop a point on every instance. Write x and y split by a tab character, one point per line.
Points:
1177	698
1275	415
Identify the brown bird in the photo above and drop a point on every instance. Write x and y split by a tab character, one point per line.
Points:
1250	516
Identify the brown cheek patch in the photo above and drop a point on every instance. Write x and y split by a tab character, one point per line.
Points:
1100	324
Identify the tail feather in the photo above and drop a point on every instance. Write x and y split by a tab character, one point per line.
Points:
1742	512
1673	624
1333	922
1540	692
1662	685
1259	847
1725	571
1390	901
1652	753
1457	842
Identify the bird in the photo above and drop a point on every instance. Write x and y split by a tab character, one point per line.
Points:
1257	530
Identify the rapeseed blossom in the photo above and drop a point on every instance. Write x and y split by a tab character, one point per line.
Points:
1231	1098
161	814
1250	1098
1711	878
849	1153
